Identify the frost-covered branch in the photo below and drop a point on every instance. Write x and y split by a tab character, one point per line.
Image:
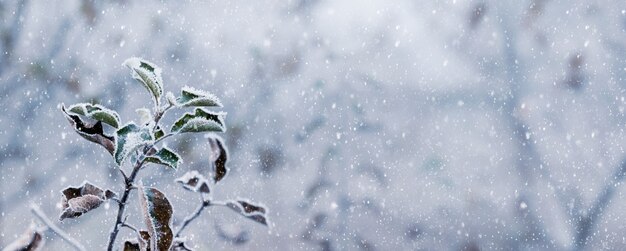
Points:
163	138
122	203
138	143
129	226
42	216
192	216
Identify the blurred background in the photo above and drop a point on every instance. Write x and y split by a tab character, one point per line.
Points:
361	125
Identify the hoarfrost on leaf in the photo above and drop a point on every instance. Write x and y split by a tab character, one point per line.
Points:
96	112
140	243
157	212
90	130
129	138
148	74
200	121
171	99
193	97
249	210
194	181
166	157
82	199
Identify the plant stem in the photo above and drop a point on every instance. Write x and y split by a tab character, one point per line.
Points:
162	138
42	216
159	114
131	227
129	180
195	214
122	205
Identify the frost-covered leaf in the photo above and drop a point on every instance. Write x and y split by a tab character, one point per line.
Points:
200	121
144	240
82	199
166	157
179	245
96	112
171	99
129	138
193	97
141	243
148	74
218	156
157	212
158	133
108	194
249	210
194	181
90	130
31	240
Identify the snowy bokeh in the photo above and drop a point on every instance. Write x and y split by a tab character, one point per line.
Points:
373	125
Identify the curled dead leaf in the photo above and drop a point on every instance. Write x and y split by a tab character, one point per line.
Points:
218	156
249	210
194	181
157	212
80	200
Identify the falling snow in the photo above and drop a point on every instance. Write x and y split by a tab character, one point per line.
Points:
373	125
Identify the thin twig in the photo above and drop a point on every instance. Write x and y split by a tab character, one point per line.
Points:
219	203
162	138
130	179
131	227
123	174
124	224
42	216
192	216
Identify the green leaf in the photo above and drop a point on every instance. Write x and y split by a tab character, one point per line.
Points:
157	212
97	112
148	74
200	121
165	157
158	133
129	138
193	97
93	132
